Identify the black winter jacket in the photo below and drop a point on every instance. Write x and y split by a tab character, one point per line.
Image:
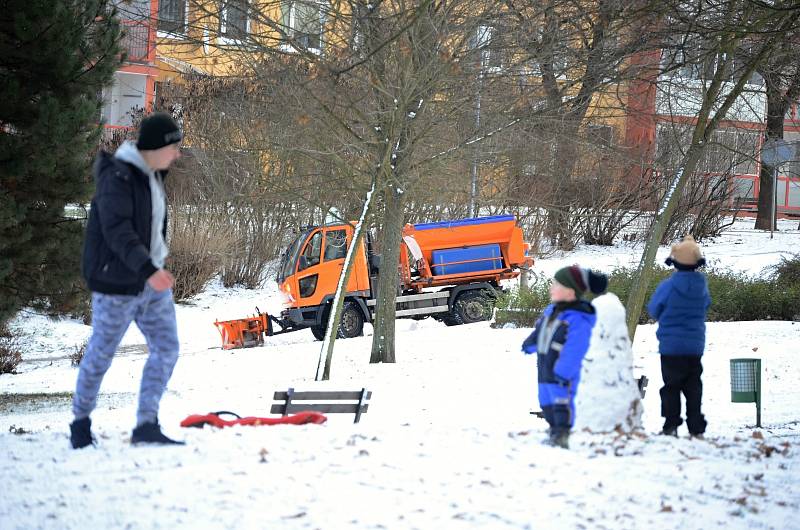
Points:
116	247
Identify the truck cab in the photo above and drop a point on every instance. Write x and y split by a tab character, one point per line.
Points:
450	270
309	274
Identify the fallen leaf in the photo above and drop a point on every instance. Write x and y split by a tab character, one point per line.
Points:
767	450
758	435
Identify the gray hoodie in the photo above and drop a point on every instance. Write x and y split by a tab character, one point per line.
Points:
128	152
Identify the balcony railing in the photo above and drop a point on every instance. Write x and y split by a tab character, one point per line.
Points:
137	40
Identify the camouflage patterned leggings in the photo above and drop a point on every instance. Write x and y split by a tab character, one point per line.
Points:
154	314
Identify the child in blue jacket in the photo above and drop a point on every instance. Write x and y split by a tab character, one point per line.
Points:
679	304
561	340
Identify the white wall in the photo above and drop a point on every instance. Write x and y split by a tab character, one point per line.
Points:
127	92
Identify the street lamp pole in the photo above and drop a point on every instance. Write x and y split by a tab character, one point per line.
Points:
774	215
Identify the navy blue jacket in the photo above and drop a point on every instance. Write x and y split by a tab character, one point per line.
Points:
679	304
116	247
561	338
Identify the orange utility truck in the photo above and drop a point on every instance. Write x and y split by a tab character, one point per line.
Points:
450	270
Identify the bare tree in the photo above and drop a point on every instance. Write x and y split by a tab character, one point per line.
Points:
781	73
580	54
704	36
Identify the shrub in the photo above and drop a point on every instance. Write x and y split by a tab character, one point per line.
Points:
620	282
197	251
10	356
74	301
787	272
258	226
523	305
735	296
77	354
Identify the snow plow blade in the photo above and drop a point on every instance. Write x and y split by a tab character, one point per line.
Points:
244	332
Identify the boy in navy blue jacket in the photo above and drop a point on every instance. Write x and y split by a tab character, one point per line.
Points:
561	340
679	304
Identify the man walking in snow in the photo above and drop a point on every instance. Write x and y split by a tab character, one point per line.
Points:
123	264
561	340
679	304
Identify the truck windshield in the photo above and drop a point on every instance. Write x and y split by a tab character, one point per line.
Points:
289	260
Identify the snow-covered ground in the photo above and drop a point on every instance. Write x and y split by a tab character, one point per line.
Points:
448	441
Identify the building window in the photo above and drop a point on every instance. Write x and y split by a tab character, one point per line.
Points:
793	201
744	190
730	151
172	16
736	66
689	60
688	57
792	167
302	21
233	19
791	112
486	42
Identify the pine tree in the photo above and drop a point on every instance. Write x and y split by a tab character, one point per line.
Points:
55	58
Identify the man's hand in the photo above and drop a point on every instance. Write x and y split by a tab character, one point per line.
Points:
161	280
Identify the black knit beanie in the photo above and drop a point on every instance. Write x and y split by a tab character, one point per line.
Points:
581	280
158	130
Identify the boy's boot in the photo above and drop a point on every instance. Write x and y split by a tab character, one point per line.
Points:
150	433
670	431
559	439
80	433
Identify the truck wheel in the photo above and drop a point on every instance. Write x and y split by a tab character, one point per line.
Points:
352	322
319	331
350	325
471	306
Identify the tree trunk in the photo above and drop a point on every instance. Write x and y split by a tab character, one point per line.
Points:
777	105
326	352
635	302
383	350
704	128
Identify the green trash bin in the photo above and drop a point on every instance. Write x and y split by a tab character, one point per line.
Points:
746	383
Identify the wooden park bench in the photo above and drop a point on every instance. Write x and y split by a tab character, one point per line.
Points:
324	401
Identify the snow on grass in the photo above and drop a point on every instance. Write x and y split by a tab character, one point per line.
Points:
448	441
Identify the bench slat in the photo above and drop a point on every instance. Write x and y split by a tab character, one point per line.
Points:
322	394
350	408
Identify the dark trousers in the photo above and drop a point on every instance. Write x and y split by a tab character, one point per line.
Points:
682	373
558	405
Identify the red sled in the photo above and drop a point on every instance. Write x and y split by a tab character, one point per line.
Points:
213	419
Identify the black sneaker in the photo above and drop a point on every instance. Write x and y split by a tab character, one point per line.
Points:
150	433
80	433
670	431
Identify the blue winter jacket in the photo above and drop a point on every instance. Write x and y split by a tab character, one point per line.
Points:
679	304
561	338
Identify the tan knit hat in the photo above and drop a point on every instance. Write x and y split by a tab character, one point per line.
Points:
687	252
